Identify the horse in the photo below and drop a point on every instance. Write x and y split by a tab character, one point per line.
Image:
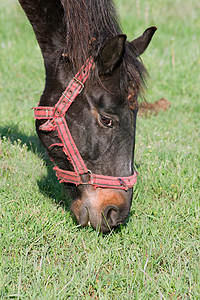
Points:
86	117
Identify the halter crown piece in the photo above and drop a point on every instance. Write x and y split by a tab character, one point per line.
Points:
55	117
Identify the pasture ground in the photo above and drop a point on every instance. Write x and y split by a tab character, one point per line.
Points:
156	255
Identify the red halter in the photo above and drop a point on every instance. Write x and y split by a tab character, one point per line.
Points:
55	117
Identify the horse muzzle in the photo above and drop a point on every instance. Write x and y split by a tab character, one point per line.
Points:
103	209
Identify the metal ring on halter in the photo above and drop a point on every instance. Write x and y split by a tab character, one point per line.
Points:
91	179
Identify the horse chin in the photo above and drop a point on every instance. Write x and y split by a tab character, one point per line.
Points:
103	209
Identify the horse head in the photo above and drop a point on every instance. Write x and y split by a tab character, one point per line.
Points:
101	120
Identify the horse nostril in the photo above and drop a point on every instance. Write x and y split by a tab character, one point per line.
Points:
84	216
110	215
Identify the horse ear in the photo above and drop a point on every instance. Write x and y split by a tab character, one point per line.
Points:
111	54
141	43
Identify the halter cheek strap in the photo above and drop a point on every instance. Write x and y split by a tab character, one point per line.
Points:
55	117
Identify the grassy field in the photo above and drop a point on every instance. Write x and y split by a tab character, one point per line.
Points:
156	255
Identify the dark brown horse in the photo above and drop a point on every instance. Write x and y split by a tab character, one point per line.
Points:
102	117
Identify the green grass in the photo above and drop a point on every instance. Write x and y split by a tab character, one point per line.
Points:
156	255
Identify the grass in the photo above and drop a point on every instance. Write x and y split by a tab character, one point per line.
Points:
156	255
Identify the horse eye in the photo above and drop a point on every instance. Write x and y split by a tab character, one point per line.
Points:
106	121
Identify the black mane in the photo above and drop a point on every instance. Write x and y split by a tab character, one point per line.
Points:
88	25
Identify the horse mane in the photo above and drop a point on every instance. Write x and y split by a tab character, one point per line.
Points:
88	24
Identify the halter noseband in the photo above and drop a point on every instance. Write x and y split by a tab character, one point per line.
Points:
55	117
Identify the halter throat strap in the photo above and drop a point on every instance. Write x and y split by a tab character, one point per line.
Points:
55	120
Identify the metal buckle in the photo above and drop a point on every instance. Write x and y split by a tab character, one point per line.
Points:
90	180
81	84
